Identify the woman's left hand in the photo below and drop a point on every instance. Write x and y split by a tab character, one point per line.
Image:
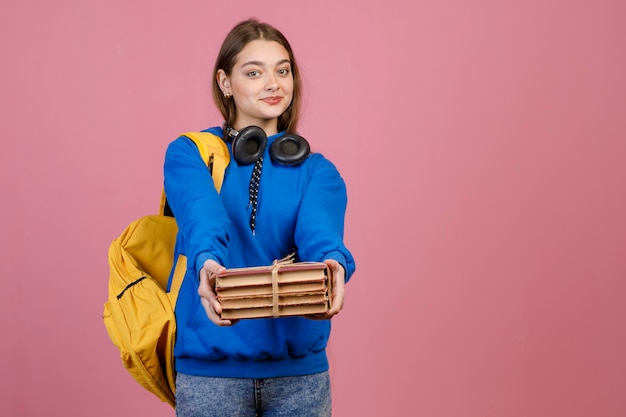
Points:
337	289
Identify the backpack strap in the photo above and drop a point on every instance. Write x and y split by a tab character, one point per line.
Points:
215	155
177	278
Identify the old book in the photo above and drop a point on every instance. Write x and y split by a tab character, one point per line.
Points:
291	288
268	300
251	313
290	273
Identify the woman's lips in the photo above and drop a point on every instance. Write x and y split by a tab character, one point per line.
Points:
272	100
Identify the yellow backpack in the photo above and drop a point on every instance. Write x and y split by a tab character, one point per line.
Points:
139	313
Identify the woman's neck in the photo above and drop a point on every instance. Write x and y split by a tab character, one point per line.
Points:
270	127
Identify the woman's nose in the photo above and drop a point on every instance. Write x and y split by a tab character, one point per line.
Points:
271	84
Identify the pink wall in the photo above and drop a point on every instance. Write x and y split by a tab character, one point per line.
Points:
484	148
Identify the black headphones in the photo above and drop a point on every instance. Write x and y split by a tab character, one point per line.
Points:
249	144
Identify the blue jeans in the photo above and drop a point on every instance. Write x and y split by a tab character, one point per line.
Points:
294	396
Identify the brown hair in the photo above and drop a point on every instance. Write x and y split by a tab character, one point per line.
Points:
243	33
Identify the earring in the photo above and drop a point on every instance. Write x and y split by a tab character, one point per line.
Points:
228	95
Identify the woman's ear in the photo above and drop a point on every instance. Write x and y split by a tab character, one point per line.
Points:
223	81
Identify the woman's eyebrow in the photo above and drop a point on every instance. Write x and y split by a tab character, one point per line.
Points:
255	63
262	64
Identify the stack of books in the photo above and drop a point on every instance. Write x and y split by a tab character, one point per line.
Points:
279	290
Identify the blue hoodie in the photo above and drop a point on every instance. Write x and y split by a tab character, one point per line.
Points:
300	208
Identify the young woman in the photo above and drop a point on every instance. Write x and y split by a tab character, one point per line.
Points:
274	200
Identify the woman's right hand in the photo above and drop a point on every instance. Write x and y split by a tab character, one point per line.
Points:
206	291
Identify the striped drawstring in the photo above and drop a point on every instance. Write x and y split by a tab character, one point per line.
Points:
255	180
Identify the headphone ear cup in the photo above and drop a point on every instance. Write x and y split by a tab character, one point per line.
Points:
290	149
249	145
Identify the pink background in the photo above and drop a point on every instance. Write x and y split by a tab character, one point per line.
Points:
483	144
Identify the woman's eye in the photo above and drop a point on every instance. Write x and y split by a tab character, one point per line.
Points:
254	73
283	71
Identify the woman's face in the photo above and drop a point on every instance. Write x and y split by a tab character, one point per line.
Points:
261	83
